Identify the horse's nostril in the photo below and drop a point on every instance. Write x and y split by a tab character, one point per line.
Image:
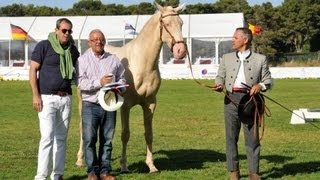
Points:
179	50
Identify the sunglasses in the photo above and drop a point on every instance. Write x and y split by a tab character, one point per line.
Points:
66	30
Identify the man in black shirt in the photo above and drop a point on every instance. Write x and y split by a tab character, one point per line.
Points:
54	60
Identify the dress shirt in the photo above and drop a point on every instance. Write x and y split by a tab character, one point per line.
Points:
92	68
241	77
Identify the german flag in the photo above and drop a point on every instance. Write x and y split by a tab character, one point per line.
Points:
17	33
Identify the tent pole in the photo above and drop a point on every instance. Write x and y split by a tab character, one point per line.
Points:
79	40
9	58
216	61
26	53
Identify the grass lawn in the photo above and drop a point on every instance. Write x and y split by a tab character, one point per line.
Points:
188	135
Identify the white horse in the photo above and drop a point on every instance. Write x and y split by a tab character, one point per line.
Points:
140	59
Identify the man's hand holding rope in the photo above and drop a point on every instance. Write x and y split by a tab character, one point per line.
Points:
256	89
217	87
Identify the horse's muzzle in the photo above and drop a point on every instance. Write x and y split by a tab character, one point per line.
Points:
179	50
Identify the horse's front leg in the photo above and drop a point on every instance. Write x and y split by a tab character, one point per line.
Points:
79	162
148	116
125	135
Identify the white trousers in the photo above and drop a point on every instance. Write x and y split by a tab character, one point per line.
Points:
54	124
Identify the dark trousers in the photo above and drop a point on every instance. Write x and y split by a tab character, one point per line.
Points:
97	122
232	130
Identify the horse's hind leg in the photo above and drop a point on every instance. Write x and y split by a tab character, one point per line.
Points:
148	116
125	135
79	162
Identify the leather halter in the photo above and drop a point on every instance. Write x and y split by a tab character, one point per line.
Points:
173	42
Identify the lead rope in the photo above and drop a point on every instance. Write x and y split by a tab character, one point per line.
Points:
259	116
190	67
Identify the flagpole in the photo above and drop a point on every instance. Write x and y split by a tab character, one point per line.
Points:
29	38
136	25
124	37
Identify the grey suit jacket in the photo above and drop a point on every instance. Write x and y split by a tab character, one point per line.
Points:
256	70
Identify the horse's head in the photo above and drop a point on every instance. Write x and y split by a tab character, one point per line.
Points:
171	30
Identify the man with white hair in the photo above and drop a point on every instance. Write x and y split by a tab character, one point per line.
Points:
96	68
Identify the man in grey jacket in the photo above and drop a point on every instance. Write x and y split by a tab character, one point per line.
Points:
236	69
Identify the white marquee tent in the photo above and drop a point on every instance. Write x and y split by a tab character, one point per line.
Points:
201	25
208	36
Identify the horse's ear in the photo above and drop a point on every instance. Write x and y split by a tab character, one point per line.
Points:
159	7
180	8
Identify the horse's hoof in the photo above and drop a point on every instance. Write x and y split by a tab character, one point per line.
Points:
154	170
79	164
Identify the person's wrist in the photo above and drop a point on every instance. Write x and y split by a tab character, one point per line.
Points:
263	87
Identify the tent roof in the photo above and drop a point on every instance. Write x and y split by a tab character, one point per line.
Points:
200	25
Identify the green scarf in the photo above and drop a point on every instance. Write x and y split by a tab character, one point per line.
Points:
66	65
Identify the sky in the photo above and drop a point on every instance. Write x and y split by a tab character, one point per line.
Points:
66	4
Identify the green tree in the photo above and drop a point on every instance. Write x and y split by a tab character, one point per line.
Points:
88	5
232	6
111	9
129	10
13	10
301	23
30	10
144	8
269	20
85	7
173	3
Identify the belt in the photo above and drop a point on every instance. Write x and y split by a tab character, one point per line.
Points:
61	93
242	90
